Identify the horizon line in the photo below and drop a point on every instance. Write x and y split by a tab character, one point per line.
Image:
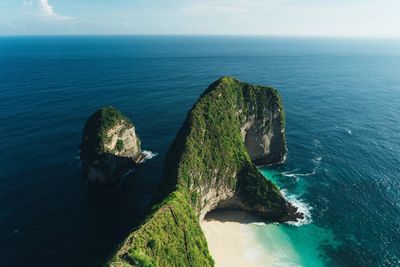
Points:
204	35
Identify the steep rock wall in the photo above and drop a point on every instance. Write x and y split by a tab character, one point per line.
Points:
232	126
211	165
109	146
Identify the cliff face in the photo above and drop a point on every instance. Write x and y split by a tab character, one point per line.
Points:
232	126
210	165
263	130
109	146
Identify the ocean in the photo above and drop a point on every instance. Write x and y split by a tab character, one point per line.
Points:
342	103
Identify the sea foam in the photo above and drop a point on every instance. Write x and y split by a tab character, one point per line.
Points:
149	154
301	206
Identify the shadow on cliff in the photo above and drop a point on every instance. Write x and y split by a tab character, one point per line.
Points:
232	215
109	171
112	212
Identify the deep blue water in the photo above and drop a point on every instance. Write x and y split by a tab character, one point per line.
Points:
342	102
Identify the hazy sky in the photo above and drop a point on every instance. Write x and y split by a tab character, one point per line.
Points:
375	18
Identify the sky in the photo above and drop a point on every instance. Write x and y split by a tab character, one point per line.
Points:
348	18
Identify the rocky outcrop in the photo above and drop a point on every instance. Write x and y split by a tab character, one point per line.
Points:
109	146
233	127
263	134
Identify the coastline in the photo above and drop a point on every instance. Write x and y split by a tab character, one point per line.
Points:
231	240
237	238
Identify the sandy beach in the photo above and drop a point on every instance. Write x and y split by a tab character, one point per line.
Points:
231	241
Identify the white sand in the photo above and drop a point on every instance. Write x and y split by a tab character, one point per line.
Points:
231	241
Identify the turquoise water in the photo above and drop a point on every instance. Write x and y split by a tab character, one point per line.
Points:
342	103
298	244
289	246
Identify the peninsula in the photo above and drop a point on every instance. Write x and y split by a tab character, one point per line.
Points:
233	127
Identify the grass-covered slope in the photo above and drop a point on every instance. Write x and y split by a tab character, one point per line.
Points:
171	236
208	164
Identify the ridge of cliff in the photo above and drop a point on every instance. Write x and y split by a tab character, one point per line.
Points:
231	129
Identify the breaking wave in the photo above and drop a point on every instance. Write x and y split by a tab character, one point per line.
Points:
317	163
347	130
296	201
301	206
149	155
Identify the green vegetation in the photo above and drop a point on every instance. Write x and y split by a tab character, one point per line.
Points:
210	144
255	190
208	152
120	145
138	258
95	131
171	236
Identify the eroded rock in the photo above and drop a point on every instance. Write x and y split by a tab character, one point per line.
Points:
109	146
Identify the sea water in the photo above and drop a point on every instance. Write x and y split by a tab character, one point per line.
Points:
342	103
294	243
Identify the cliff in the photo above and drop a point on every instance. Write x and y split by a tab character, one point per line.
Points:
210	165
109	146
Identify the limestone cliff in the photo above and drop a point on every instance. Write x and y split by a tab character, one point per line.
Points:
109	146
210	165
232	126
263	129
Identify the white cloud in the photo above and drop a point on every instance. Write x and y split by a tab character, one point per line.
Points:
47	11
378	18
